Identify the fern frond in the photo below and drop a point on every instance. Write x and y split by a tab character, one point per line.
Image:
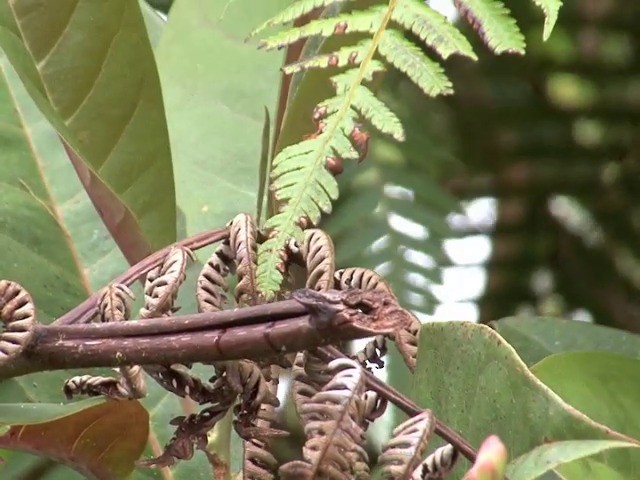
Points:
367	21
369	107
295	11
432	28
550	9
346	56
409	59
494	23
403	452
302	179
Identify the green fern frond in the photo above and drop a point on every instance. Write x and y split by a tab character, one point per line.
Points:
494	23
410	60
301	182
303	187
550	8
367	105
432	28
295	11
367	21
346	56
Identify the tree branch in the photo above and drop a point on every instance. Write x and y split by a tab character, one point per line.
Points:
265	331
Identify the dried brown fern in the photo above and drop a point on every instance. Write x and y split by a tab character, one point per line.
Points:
437	465
17	313
114	305
406	339
243	234
405	449
212	287
333	418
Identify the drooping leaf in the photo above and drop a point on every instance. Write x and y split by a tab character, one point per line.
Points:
547	457
102	441
71	55
474	381
539	337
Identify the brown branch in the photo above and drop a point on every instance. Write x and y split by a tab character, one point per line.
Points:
329	353
180	324
84	312
333	316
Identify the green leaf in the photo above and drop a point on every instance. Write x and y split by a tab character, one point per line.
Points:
547	457
31	413
102	441
605	386
589	468
71	56
537	337
550	9
494	23
215	106
474	381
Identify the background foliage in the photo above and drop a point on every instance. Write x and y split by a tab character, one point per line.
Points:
546	142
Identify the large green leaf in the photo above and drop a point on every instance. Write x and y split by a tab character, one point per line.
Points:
71	56
547	457
603	385
474	381
215	87
537	337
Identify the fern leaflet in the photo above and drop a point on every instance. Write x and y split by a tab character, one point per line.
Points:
493	22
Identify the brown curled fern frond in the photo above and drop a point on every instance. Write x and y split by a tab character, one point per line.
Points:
333	418
190	434
406	339
17	313
299	470
212	287
259	463
243	238
373	352
95	386
374	407
308	375
405	449
178	380
162	283
114	305
362	278
437	465
319	257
